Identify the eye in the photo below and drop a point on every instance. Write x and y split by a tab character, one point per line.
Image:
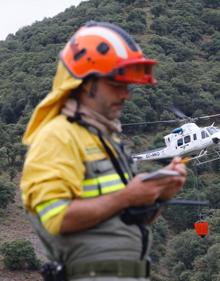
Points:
118	85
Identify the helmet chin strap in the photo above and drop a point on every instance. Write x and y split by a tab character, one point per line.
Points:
93	89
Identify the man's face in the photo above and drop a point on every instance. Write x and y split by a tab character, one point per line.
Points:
109	98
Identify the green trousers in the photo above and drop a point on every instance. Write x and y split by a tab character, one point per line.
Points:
110	279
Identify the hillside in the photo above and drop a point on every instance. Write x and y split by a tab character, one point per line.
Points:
14	225
184	36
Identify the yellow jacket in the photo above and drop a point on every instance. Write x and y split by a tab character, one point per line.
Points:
54	164
55	169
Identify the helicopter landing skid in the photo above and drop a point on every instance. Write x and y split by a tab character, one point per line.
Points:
205	157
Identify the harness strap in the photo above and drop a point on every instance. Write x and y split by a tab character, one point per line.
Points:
145	239
113	159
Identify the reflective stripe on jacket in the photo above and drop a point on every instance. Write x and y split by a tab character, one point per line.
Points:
101	178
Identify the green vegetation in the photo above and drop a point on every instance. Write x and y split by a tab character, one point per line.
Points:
7	193
184	36
19	255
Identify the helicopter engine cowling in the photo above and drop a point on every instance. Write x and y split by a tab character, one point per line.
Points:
215	140
216	137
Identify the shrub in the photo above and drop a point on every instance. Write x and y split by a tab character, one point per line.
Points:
19	255
7	192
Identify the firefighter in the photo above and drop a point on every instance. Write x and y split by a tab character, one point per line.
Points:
77	180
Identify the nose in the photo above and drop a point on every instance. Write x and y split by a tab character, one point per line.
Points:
124	93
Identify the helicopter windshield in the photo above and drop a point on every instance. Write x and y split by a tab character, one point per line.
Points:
211	130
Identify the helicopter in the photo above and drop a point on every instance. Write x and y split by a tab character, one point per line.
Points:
186	140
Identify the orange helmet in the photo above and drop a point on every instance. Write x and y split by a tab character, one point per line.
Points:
106	50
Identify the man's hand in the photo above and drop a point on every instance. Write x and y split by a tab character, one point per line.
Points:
176	183
140	193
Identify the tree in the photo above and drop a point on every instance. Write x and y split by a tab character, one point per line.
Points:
136	21
212	17
160	235
213	46
160	26
182	250
128	116
175	49
157	9
212	4
7	192
186	28
7	112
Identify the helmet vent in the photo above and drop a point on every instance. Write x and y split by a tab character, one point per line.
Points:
121	71
80	54
102	48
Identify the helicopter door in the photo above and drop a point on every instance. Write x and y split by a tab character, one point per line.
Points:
187	142
187	139
180	145
205	139
179	142
204	134
183	143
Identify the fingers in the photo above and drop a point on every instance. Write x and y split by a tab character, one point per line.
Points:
178	165
171	186
177	160
181	169
176	182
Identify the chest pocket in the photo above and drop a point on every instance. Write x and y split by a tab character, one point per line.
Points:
101	178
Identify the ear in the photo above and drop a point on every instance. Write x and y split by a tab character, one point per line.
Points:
87	85
90	87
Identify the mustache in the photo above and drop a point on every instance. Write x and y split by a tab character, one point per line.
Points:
121	103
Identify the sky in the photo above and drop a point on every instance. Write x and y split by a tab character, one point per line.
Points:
15	14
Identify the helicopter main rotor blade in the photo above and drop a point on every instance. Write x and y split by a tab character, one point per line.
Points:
206	116
187	202
178	112
150	122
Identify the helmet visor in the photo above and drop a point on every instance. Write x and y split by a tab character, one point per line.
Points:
137	73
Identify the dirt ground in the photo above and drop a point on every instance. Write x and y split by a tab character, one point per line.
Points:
14	225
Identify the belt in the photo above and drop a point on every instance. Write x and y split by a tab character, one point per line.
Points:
116	268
